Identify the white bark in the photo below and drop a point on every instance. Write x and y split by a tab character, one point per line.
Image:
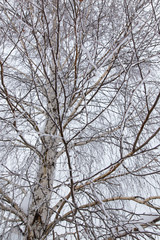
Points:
39	213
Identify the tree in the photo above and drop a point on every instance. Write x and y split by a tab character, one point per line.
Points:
79	113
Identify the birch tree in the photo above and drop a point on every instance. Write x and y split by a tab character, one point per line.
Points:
79	119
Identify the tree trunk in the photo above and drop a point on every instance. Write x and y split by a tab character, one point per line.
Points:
39	213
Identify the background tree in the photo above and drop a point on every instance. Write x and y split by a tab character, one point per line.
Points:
79	113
